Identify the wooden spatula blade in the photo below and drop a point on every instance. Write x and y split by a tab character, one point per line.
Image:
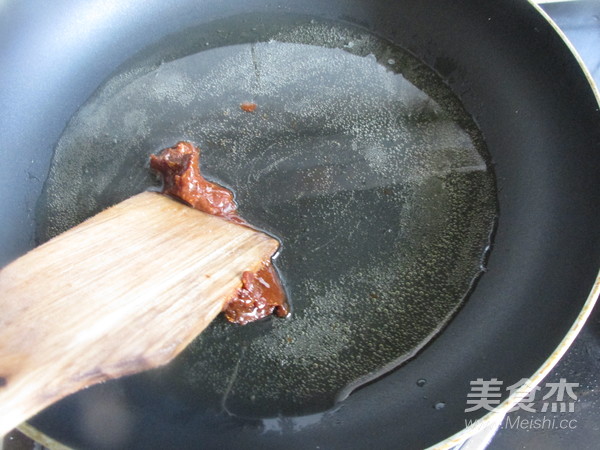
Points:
124	291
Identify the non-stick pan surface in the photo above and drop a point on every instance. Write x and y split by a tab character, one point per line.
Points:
540	122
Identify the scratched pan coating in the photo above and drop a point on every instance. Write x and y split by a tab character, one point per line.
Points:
358	158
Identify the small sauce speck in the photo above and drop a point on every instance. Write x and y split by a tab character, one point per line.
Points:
248	106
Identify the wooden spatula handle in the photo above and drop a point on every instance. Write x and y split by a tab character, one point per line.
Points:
124	291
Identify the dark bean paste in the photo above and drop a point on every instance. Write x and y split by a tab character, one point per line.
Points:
261	293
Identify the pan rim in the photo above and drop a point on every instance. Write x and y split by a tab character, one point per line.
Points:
553	358
498	413
494	416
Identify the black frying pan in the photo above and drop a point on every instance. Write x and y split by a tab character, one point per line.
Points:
540	122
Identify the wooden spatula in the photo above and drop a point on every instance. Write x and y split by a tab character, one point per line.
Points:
124	291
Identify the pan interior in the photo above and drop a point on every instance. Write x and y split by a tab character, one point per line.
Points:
358	158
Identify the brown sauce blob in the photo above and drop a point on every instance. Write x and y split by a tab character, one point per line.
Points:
261	293
248	106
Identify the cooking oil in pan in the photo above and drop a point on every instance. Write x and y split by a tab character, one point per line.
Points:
357	156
